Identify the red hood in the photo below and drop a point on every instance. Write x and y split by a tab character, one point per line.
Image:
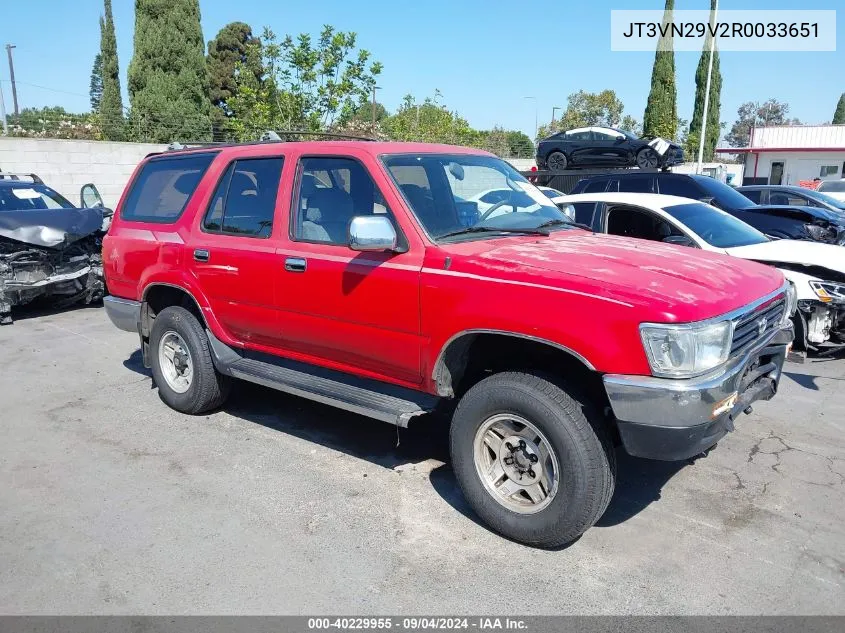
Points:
673	283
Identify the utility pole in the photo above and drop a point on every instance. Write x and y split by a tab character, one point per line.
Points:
374	109
703	131
9	48
554	109
535	117
3	113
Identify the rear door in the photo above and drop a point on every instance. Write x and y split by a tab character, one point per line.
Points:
232	245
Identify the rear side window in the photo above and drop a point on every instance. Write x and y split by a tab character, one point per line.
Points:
245	199
595	186
162	189
753	194
636	185
681	187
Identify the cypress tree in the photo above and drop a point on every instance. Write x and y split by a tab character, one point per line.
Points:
95	90
713	107
661	111
111	103
168	78
225	52
839	115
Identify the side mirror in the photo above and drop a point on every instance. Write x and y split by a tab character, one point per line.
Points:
372	233
680	240
619	139
89	197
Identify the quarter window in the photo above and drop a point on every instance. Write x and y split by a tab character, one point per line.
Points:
245	200
163	187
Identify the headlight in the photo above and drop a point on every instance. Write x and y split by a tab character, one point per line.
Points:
791	302
820	233
828	291
682	351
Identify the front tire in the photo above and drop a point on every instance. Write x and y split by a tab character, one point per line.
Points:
181	363
528	460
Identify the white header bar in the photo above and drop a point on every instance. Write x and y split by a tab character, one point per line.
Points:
793	31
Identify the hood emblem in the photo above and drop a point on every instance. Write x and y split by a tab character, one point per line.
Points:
761	326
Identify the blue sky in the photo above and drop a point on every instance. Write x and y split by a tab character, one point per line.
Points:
484	56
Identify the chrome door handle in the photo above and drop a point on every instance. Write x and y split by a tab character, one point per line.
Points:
295	264
201	254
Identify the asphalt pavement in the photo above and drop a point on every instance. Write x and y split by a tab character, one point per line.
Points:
111	503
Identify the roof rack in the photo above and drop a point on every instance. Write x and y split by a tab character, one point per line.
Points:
16	176
270	136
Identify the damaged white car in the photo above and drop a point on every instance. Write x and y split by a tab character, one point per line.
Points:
817	271
49	249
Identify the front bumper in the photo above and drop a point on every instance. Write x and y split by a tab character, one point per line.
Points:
124	313
666	419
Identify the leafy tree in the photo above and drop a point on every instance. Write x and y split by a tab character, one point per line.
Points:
519	145
839	115
429	122
168	78
111	103
317	84
661	112
714	128
755	114
95	91
630	124
54	122
588	108
229	63
364	112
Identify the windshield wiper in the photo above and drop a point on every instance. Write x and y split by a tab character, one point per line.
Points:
492	229
551	223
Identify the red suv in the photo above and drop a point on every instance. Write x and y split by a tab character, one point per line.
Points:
393	279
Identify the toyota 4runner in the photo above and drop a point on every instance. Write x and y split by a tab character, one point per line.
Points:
393	279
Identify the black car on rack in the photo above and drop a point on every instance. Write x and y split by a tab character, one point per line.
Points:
602	147
795	222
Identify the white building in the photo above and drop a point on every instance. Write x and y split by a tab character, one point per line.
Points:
787	154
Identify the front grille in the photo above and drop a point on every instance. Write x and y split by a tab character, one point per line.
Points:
747	327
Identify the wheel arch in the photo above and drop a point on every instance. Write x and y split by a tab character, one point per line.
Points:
470	351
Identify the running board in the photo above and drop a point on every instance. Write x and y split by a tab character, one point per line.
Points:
371	398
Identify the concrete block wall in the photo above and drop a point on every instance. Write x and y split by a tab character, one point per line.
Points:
66	165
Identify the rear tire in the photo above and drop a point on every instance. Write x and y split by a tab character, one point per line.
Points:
557	161
579	450
181	363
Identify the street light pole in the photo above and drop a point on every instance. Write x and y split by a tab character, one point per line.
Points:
374	110
703	131
9	48
554	109
535	117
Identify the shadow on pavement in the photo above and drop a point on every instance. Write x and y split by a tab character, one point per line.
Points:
638	482
41	308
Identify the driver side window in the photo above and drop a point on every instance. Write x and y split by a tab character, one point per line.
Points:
639	223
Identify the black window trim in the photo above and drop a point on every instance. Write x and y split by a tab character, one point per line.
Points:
164	158
223	175
402	244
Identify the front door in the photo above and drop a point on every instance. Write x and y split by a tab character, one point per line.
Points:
232	251
344	308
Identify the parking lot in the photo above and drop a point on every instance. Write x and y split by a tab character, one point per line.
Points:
113	503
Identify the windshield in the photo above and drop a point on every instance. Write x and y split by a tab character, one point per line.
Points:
550	193
725	195
31	196
833	185
454	192
715	227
